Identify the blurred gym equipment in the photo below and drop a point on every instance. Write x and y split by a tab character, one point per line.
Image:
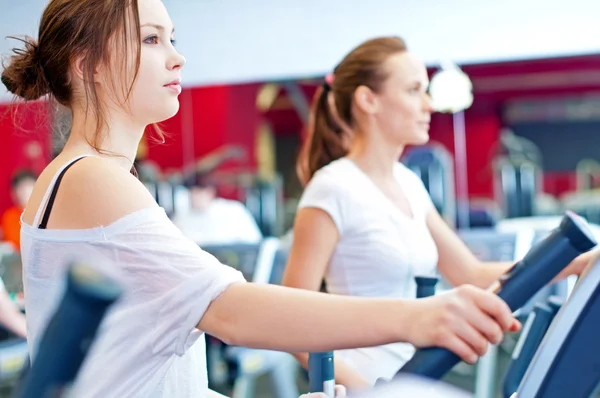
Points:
534	329
588	174
434	165
518	166
240	367
491	245
566	363
541	264
70	333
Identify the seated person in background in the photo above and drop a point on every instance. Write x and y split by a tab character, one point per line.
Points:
21	186
214	220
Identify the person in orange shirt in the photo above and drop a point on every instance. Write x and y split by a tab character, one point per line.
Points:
22	184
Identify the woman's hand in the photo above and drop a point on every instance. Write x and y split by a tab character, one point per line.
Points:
463	320
340	392
578	265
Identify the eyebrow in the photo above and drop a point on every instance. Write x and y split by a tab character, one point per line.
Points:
157	26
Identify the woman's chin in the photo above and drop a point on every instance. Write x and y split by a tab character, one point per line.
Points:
165	113
421	139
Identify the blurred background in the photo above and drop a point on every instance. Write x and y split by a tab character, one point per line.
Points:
531	134
252	68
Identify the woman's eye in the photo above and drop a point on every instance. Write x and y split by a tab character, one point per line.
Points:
151	40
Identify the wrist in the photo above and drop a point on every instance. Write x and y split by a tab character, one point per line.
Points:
402	319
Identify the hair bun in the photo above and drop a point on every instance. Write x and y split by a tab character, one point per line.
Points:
23	75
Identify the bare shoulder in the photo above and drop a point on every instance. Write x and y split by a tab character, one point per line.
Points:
93	192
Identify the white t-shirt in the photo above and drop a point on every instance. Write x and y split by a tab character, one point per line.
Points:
380	250
224	221
148	345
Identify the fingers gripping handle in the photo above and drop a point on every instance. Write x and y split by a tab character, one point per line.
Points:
541	264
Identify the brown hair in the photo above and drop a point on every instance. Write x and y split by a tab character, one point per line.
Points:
363	66
70	29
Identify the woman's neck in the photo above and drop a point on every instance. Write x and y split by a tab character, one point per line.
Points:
118	140
376	159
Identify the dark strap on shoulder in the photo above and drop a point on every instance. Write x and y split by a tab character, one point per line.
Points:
44	222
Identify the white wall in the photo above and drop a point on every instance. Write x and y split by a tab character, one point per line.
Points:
228	41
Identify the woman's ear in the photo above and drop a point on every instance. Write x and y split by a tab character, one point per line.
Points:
78	70
78	67
366	100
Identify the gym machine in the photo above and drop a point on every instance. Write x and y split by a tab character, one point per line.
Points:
67	338
264	199
567	361
518	175
434	165
241	367
541	264
534	329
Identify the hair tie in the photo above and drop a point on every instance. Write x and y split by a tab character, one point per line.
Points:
328	82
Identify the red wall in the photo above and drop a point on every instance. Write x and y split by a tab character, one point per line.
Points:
23	131
214	116
482	132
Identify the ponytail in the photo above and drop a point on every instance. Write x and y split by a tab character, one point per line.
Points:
324	141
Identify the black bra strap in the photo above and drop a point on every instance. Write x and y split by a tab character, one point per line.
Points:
46	217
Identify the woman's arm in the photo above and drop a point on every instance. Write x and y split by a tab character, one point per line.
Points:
456	262
272	317
294	320
299	320
459	266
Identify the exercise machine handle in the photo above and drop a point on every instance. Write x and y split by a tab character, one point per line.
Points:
321	374
425	286
70	333
519	284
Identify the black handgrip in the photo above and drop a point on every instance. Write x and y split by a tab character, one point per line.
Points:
70	333
425	286
541	264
